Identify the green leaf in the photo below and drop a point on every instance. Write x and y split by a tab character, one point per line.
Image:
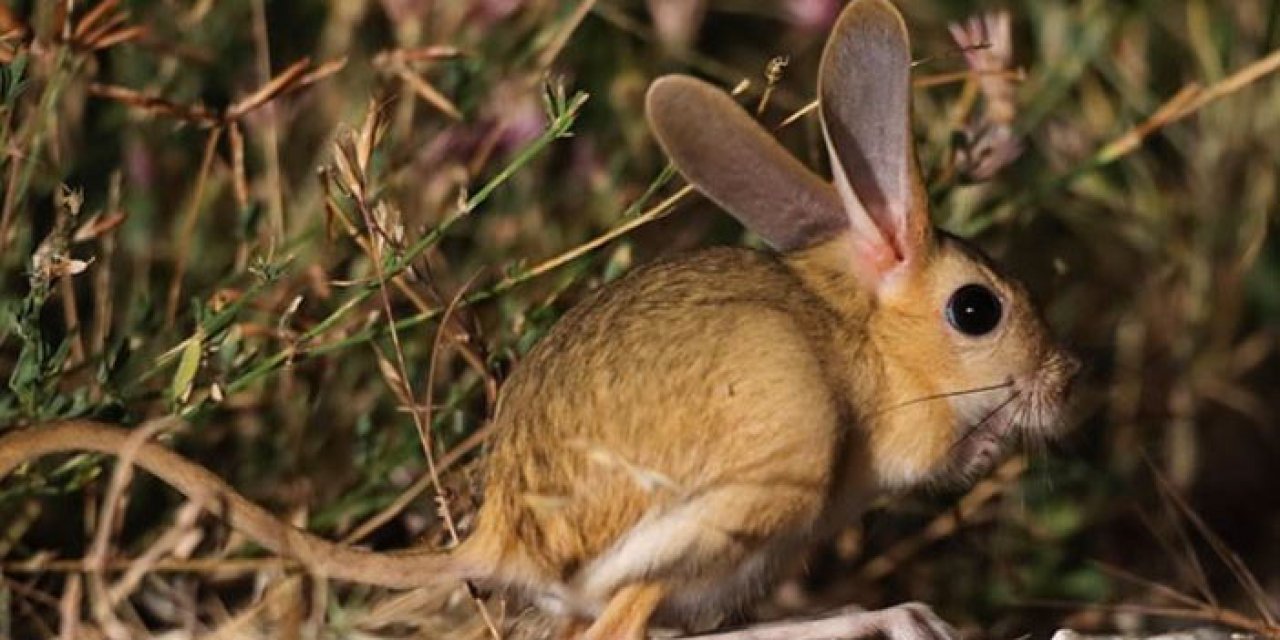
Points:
13	80
185	377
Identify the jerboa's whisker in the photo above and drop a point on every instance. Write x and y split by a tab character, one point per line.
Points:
990	414
944	395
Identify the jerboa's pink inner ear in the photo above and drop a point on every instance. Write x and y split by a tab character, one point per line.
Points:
732	160
864	87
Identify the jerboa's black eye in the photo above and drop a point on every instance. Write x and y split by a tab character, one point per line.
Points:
974	310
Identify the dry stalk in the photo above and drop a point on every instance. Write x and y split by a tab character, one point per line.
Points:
293	78
154	105
657	212
1258	596
238	625
411	493
10	198
557	44
68	212
69	608
187	228
100	600
1206	608
102	297
31	593
179	533
212	566
271	127
426	91
427	408
406	391
1187	561
102	27
1189	100
353	159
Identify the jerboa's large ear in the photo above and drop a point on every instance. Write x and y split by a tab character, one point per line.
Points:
864	86
732	160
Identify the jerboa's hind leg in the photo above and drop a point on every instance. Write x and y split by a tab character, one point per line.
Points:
705	540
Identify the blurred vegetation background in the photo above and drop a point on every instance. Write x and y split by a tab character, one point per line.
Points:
220	210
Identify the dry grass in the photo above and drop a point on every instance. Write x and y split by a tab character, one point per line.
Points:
322	232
